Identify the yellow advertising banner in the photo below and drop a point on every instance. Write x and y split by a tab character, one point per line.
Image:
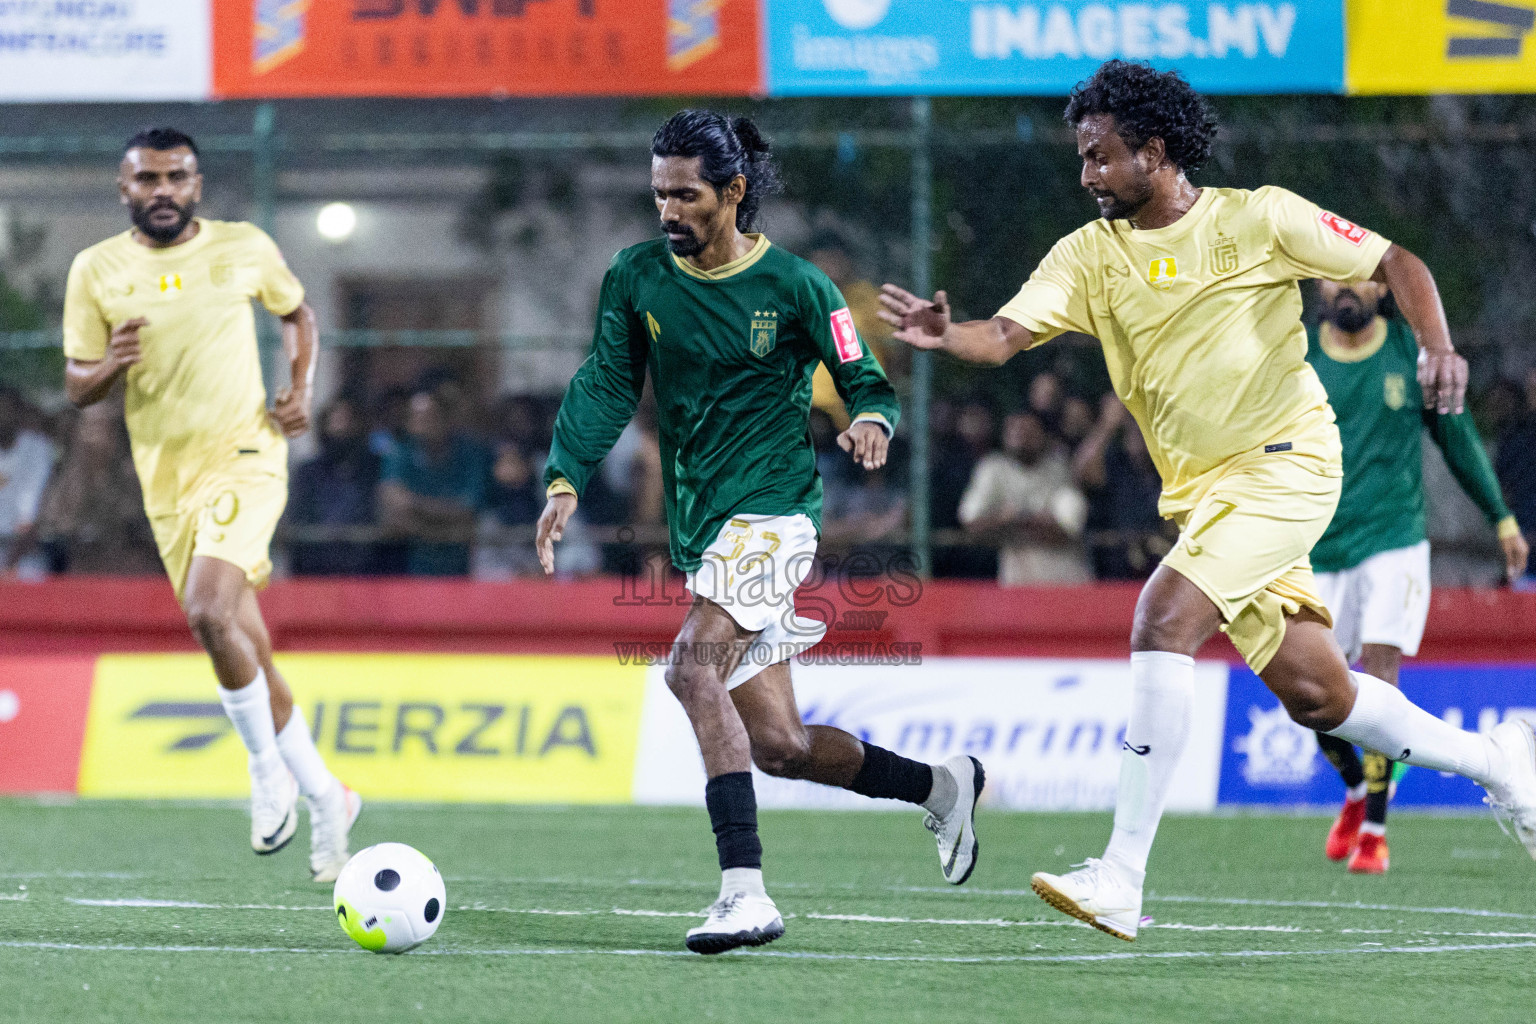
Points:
1440	46
523	729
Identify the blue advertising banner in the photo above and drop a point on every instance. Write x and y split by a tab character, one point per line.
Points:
958	47
1268	759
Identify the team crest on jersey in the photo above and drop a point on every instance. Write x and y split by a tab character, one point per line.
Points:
221	274
1162	271
1223	255
765	331
170	283
1395	391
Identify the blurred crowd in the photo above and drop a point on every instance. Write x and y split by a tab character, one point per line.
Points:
1056	489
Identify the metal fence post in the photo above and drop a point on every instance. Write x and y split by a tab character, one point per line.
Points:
264	201
922	361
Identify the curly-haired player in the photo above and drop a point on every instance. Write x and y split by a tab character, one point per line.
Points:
1193	294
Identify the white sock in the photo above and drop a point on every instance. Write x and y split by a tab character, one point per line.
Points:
1163	691
1385	721
1355	793
250	708
298	750
945	792
747	880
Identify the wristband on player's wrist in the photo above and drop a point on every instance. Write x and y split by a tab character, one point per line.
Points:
1508	528
559	485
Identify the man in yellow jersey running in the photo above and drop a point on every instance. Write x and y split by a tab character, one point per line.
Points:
1192	292
166	307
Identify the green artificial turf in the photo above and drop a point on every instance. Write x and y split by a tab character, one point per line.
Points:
562	914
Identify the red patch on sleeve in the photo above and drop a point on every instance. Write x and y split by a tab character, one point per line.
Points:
846	336
1354	234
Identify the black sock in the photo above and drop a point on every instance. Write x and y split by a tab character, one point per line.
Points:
1378	784
732	807
1344	757
886	774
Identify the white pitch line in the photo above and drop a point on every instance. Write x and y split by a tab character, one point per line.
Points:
1324	905
798	955
153	904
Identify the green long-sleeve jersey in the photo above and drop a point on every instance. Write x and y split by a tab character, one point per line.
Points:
731	353
1374	391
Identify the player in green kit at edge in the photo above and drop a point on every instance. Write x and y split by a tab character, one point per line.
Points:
1372	564
730	329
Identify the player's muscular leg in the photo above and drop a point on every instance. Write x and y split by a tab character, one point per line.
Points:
211	600
1309	675
255	629
1173	615
782	745
703	657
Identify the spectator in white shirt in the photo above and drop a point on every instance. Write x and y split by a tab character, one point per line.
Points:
26	460
1024	496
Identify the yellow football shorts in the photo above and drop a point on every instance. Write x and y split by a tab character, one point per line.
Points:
230	515
1246	542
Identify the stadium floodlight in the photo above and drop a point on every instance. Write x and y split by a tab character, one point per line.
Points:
336	222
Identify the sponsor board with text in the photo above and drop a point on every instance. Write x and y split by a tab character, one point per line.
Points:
275	48
1048	731
836	47
42	719
113	51
1413	47
394	726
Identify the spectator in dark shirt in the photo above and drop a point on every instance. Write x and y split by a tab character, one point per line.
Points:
1515	465
1126	536
954	455
431	490
337	488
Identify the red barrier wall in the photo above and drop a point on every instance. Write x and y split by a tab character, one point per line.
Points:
79	615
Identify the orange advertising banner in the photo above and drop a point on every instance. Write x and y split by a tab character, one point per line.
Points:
292	48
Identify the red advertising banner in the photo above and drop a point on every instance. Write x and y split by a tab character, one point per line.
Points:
43	701
289	48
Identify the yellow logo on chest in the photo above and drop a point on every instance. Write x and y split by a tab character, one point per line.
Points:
170	283
765	332
1395	391
1223	255
1162	271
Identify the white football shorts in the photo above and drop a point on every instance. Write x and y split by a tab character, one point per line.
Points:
1383	600
752	571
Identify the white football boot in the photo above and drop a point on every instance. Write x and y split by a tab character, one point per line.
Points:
737	919
330	826
1097	893
1513	796
956	829
274	804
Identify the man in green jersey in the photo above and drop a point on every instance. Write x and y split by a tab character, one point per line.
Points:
730	329
1372	563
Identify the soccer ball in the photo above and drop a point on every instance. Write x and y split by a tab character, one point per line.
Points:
390	898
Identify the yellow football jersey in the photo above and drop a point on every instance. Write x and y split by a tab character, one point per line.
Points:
1201	320
195	401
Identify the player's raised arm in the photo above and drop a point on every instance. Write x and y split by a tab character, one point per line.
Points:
1442	371
301	344
924	324
599	402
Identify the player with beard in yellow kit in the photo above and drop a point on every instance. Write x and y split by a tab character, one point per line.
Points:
166	307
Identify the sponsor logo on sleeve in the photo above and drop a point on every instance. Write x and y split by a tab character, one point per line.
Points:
846	336
1352	233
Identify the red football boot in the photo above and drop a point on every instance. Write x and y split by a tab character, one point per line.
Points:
1345	834
1371	856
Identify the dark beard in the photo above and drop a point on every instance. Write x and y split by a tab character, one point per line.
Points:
691	245
1350	317
1126	207
140	215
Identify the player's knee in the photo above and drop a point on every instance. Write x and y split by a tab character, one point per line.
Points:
1158	628
785	754
690	681
1314	705
211	623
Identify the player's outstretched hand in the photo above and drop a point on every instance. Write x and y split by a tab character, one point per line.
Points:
918	322
1517	554
123	345
867	441
291	411
1443	379
557	510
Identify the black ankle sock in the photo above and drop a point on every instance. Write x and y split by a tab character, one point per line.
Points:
1343	756
732	807
886	774
1378	785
